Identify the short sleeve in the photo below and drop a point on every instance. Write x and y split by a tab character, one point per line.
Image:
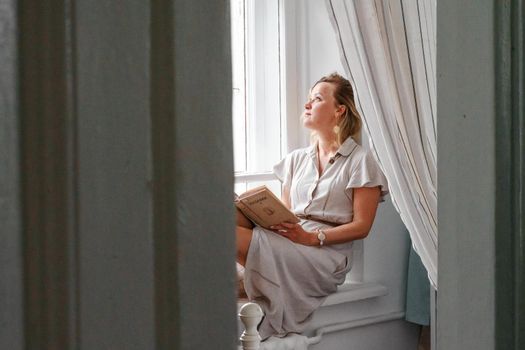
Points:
284	171
366	173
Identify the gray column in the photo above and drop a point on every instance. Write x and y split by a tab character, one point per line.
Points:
114	169
11	268
120	221
510	174
466	174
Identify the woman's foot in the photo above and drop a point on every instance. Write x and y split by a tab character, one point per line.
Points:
241	293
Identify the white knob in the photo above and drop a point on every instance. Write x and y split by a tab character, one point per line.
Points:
250	315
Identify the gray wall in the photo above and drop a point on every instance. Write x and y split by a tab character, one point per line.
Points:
11	334
466	169
111	227
114	175
481	111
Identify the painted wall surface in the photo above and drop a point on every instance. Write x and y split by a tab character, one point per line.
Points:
114	169
11	297
115	266
118	256
466	176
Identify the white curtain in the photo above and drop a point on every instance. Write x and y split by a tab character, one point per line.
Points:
388	50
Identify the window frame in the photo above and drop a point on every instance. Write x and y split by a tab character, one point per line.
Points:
293	135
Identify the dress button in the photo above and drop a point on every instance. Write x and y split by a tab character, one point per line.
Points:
331	161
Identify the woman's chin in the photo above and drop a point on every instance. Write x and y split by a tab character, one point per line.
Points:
307	123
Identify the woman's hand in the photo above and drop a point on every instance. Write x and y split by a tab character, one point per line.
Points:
295	233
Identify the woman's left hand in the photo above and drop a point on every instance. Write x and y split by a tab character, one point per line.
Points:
295	233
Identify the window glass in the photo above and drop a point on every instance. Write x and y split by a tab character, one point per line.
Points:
258	137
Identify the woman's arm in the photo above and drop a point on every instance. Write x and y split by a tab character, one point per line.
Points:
365	202
285	197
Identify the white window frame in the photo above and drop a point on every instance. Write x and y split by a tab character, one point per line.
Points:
289	121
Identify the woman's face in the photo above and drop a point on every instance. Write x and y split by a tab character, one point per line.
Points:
321	109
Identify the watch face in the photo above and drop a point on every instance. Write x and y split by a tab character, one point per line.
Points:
321	236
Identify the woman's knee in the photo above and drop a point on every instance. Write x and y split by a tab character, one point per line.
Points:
244	238
242	220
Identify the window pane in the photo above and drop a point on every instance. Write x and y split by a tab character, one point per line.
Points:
240	187
238	82
256	85
263	85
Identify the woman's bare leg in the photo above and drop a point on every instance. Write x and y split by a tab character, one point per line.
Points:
243	231
244	237
242	220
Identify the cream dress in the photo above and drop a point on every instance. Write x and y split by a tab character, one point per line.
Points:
288	280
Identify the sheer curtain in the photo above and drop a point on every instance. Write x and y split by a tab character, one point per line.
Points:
388	50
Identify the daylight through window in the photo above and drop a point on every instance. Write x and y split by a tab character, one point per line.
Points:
257	131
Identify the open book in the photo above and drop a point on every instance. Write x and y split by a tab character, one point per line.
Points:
262	207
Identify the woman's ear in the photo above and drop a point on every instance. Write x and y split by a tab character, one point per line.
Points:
341	109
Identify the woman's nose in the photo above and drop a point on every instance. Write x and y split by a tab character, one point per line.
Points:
307	105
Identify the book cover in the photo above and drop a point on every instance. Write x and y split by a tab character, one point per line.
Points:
262	207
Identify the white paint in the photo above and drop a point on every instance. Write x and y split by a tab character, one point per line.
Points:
250	315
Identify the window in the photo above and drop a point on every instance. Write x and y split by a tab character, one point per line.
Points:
259	135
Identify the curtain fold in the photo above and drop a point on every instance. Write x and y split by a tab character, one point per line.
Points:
388	50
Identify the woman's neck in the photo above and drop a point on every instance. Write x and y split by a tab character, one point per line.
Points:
327	146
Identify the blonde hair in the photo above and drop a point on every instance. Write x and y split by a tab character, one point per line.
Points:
350	122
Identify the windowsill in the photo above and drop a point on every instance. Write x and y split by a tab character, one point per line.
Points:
347	293
355	291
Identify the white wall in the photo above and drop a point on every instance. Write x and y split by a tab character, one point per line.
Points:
386	248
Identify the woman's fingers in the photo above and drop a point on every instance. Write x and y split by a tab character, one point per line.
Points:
288	230
284	226
278	227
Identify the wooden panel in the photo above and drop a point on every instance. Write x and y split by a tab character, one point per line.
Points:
203	173
115	247
11	321
127	176
466	174
47	174
510	168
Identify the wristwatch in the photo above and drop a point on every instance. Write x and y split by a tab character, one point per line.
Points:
321	236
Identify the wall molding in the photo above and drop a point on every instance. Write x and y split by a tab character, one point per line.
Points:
11	269
48	173
366	321
351	292
510	169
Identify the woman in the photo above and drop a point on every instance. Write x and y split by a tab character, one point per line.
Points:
334	186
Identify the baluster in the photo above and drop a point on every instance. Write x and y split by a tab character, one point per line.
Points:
250	315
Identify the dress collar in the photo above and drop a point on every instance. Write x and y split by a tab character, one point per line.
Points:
346	148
